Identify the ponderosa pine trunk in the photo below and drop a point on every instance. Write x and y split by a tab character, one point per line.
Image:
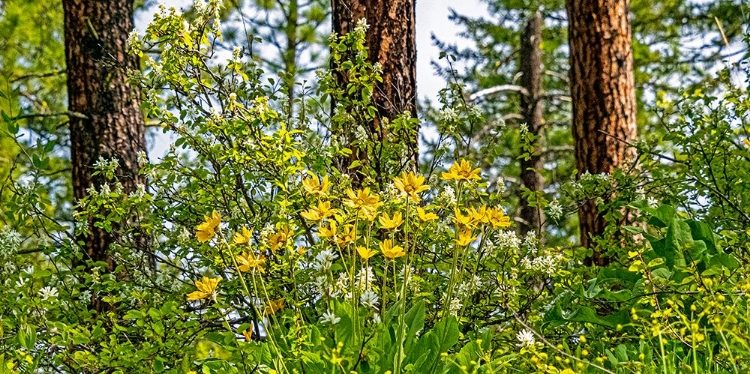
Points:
110	124
531	107
391	43
603	94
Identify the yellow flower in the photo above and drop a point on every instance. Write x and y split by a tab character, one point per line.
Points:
747	142
274	306
363	200
323	210
314	186
497	218
329	232
387	223
410	185
389	251
244	236
279	238
465	238
347	235
366	253
206	288
248	334
466	221
425	216
461	171
480	215
207	229
249	261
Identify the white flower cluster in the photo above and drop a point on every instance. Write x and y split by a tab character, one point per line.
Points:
555	210
323	261
455	306
546	264
361	26
447	196
531	243
448	115
471	286
10	242
133	45
507	240
524	129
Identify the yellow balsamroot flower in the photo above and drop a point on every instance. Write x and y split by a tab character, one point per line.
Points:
480	215
498	219
461	171
329	232
366	253
248	334
465	237
318	213
347	235
425	216
390	251
250	261
244	236
315	186
274	306
388	224
279	238
410	185
466	221
362	199
206	288
207	229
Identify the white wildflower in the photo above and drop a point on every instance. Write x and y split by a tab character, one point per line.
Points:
448	115
524	129
555	210
500	185
508	240
330	318
361	26
525	338
324	260
652	202
48	292
369	299
455	307
85	297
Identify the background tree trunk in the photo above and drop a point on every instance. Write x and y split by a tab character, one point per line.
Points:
603	94
391	42
96	32
531	107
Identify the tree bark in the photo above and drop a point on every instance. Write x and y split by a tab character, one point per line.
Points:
603	94
531	107
391	43
112	125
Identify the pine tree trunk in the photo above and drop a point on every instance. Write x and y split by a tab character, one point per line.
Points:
96	32
603	93
531	106
391	42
